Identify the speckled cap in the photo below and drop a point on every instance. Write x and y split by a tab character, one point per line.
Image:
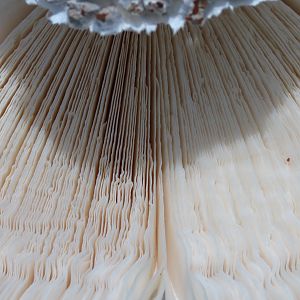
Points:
114	16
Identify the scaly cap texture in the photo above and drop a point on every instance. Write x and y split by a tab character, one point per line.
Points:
114	16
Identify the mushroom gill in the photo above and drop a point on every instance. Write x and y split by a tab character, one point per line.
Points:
153	166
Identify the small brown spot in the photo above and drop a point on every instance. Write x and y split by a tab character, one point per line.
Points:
288	160
101	16
135	8
159	5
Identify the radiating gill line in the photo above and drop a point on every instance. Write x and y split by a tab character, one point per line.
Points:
13	40
99	121
36	106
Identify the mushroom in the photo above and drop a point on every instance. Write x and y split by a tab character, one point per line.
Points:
157	166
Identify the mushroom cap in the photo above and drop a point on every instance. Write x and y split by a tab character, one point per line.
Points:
111	17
